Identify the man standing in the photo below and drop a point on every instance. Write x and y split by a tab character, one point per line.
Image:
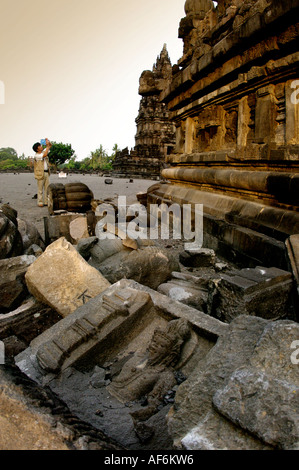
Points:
42	171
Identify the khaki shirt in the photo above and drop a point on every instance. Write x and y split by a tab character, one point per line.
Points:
40	165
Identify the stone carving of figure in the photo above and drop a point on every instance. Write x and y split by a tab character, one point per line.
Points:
152	374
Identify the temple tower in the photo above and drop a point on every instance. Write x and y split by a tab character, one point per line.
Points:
155	137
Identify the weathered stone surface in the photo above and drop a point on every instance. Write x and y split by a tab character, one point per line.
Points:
72	226
13	346
30	235
73	197
13	289
238	230
33	418
189	290
150	266
26	322
11	243
49	280
263	405
194	424
11	295
22	426
85	245
258	418
78	334
20	326
79	229
58	226
273	352
105	249
98	378
265	394
34	250
11	268
263	292
202	258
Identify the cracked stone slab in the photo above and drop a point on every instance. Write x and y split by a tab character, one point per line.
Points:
263	405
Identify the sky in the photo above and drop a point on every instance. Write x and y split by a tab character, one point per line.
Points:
70	69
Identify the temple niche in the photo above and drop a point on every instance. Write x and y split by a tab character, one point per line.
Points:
155	137
234	100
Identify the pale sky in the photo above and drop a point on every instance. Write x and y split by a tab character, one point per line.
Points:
71	68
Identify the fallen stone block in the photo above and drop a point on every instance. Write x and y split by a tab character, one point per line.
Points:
87	355
62	279
21	326
85	245
58	226
11	295
201	258
11	243
148	265
189	290
126	240
98	378
33	419
13	346
244	394
78	334
263	292
30	235
13	289
72	226
79	229
263	405
34	250
11	268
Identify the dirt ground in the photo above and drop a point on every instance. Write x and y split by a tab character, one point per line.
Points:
19	189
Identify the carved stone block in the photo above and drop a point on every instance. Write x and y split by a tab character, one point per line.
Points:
263	292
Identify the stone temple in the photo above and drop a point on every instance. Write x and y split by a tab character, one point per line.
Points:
233	97
155	136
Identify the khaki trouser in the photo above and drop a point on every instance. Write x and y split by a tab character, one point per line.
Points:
42	186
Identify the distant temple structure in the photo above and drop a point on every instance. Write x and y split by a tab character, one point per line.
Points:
155	136
233	97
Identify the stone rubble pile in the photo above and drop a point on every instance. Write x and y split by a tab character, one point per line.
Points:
224	375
